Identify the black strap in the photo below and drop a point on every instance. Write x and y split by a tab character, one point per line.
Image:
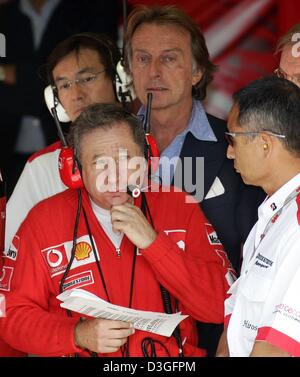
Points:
95	254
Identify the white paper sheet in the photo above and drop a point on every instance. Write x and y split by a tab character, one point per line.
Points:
87	303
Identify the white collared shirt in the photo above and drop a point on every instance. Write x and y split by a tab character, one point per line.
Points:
200	128
265	300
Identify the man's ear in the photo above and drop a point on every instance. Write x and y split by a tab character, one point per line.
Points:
197	76
266	143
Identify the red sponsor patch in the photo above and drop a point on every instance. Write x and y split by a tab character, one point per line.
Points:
5	278
78	280
56	259
178	236
212	235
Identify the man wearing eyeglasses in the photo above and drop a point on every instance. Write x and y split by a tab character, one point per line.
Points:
289	46
262	314
81	71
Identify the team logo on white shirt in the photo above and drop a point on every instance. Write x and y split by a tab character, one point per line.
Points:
262	261
288	311
250	325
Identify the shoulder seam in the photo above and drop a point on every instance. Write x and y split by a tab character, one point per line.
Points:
51	148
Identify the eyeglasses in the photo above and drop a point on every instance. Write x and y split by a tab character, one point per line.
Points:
229	136
279	72
84	80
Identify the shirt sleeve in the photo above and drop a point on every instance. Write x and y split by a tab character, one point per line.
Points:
39	180
23	198
198	276
280	322
27	287
230	302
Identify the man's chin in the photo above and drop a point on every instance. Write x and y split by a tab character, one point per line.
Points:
245	180
120	199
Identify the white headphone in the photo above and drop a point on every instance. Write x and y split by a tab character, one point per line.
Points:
51	101
124	88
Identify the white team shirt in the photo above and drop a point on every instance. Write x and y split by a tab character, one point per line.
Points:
39	180
265	300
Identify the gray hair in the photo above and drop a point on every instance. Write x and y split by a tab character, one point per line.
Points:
287	39
104	116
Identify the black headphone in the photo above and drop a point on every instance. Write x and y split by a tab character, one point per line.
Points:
121	82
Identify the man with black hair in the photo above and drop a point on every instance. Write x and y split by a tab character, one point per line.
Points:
32	28
81	71
262	313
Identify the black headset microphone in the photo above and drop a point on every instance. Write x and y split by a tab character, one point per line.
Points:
150	151
152	156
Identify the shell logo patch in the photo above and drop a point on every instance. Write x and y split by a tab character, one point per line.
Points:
82	251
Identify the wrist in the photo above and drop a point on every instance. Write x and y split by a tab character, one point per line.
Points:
77	332
150	240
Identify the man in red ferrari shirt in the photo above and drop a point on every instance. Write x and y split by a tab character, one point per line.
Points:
97	239
82	70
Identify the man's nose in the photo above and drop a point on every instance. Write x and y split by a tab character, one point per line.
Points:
155	68
77	92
